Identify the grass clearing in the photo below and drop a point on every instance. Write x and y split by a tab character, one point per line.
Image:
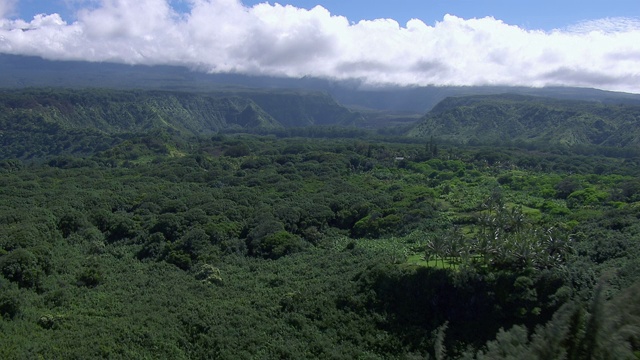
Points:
419	260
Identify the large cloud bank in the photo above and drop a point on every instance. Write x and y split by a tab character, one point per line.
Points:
266	39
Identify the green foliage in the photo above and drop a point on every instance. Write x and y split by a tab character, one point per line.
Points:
237	151
576	331
509	345
209	274
586	197
22	267
279	244
91	275
178	258
9	302
164	246
516	119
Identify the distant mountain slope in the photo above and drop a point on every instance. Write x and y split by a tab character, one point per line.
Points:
422	99
117	111
111	111
293	109
23	71
500	118
38	122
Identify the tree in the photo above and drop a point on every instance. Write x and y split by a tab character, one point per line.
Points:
169	225
71	222
91	275
195	243
438	347
9	300
508	345
22	267
279	244
436	247
567	186
239	150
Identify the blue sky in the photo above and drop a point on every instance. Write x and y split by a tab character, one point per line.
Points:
539	14
402	42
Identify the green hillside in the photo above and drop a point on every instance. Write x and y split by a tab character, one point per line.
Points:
34	122
111	111
526	119
116	111
296	109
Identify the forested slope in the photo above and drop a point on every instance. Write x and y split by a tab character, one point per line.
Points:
525	119
35	122
127	233
113	111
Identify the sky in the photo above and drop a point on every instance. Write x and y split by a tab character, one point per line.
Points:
588	43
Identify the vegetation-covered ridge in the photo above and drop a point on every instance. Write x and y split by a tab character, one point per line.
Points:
119	111
509	119
35	123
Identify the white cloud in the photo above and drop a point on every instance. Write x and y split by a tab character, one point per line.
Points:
7	7
226	36
606	25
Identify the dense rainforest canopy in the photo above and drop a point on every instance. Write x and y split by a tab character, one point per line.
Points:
171	225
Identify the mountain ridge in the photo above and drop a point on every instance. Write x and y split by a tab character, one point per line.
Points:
114	111
28	71
521	118
40	122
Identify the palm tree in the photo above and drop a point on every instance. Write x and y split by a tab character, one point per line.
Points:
454	242
557	246
436	247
